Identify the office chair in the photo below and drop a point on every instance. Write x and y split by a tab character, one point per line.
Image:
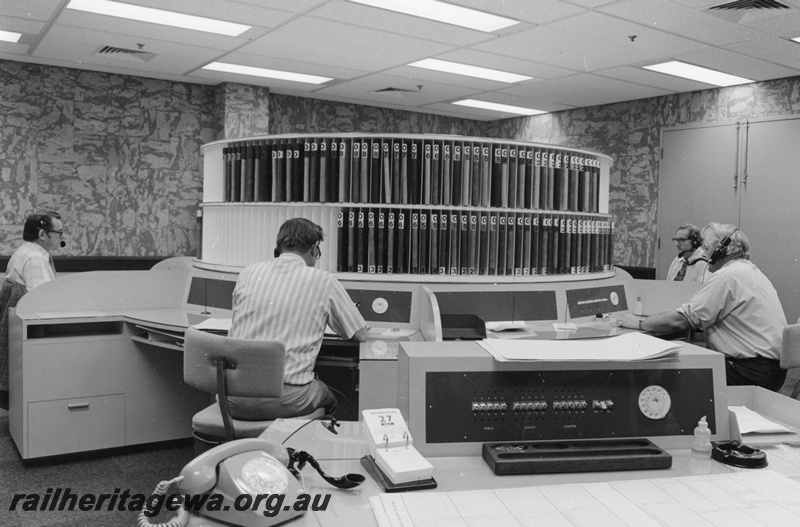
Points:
790	352
236	367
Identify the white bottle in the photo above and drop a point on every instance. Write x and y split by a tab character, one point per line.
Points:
638	309
701	446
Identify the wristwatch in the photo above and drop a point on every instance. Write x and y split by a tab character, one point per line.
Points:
640	323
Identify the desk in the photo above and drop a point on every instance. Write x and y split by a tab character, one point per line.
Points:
471	473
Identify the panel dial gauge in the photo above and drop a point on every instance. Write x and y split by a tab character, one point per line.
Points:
654	402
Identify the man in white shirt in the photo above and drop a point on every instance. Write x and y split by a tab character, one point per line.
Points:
30	266
738	309
689	265
288	300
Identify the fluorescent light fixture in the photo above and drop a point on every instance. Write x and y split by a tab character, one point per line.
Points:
263	72
9	36
796	39
696	73
442	12
158	16
486	105
470	71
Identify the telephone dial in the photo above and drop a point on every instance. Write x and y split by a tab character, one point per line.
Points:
251	466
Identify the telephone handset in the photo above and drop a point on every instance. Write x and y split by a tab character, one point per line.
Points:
255	467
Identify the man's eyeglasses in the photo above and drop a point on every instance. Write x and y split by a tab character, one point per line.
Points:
681	240
60	233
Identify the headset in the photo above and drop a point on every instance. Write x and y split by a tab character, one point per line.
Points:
44	224
722	249
732	452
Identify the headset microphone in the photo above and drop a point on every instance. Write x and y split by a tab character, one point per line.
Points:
63	243
721	250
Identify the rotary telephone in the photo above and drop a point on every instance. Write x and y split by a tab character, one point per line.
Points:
229	471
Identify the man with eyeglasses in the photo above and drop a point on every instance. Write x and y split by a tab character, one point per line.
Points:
689	265
30	266
288	300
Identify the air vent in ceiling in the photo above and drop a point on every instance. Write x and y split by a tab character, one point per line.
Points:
134	55
751	4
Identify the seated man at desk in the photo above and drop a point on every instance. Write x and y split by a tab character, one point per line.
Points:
290	301
689	265
30	266
738	309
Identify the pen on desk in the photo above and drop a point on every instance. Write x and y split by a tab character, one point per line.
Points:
357	303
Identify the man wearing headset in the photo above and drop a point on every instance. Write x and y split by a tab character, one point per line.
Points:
738	309
30	266
290	301
689	265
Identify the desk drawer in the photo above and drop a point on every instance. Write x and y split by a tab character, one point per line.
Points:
76	425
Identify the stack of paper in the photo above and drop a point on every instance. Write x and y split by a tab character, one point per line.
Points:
627	347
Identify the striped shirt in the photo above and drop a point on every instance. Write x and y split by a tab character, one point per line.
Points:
287	301
30	265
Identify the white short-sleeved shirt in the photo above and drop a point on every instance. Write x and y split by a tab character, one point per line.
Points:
287	301
739	311
30	266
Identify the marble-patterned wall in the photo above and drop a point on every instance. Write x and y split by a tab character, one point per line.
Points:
245	110
630	133
117	156
295	115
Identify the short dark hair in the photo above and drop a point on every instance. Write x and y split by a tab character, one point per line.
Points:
36	222
299	234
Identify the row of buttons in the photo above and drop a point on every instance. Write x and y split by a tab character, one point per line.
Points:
489	406
568	404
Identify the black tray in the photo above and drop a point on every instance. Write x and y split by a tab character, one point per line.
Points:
582	455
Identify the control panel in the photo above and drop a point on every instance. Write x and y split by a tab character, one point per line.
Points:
514	405
458	397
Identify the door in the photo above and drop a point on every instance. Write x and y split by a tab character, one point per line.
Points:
696	183
770	205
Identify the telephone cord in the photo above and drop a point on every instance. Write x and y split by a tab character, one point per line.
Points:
180	520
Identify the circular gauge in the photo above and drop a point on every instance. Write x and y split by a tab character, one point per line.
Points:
379	348
380	305
614	297
265	475
654	402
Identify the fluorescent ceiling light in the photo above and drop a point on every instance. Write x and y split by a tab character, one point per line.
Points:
796	39
485	105
696	73
263	72
442	12
9	36
470	71
158	16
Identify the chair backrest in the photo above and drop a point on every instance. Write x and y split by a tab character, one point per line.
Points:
254	368
790	352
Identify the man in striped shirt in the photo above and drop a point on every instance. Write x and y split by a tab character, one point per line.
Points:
290	301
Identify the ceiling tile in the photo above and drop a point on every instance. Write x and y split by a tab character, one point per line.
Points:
33	9
585	90
400	24
505	63
654	79
144	31
71	44
674	18
777	51
343	45
537	12
418	94
741	65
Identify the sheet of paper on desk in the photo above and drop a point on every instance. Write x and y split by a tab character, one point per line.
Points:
504	325
627	347
731	499
215	324
753	422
